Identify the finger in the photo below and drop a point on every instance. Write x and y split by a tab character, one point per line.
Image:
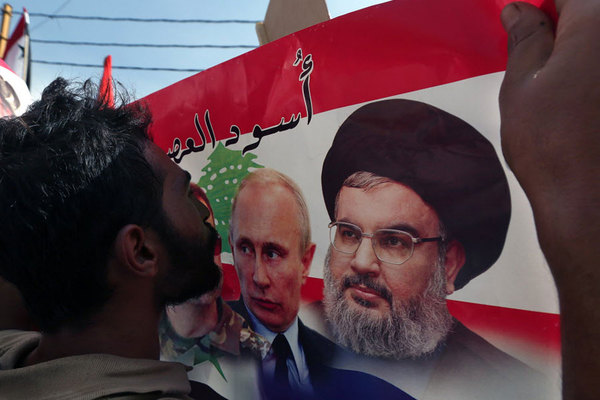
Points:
530	40
559	5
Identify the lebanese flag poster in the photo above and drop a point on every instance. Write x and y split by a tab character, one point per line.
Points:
406	90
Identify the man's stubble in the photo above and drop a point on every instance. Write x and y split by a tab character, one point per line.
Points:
193	272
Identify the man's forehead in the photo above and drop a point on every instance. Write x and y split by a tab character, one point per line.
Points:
272	210
273	194
390	205
162	165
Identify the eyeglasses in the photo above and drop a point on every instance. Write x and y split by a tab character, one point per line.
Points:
391	246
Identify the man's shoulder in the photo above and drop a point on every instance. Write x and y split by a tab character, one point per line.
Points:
313	337
13	336
462	343
471	366
113	376
14	345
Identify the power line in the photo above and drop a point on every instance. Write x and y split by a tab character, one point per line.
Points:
130	19
116	66
184	46
60	8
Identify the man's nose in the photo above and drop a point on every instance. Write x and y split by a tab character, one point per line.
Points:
364	260
260	276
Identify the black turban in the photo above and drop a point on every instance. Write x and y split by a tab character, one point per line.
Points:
442	158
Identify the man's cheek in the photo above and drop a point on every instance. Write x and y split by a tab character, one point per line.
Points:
337	269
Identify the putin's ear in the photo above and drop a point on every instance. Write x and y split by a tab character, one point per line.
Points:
455	259
231	245
307	258
136	249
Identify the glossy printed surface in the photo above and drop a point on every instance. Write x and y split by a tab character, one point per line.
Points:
389	206
266	252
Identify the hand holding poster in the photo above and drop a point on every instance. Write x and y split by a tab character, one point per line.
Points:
281	106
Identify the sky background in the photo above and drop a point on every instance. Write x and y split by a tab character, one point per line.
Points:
142	83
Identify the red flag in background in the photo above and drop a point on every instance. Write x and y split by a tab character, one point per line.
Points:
106	92
18	53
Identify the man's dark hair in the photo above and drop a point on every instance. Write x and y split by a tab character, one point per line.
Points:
72	174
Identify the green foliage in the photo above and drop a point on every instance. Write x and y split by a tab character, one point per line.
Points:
222	175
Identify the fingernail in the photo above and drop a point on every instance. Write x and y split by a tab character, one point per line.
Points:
509	16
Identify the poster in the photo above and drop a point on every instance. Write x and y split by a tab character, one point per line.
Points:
14	93
281	106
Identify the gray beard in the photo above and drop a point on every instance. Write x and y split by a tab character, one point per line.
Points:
412	329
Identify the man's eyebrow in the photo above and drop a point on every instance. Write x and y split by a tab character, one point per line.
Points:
397	226
241	240
275	246
404	227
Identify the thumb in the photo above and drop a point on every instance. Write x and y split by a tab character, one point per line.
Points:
530	40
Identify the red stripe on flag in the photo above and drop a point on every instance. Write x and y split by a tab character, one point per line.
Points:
527	326
312	290
231	284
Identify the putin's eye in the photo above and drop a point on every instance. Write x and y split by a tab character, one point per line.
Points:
273	253
245	249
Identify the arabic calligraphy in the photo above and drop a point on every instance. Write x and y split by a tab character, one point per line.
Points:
260	133
307	68
236	131
177	151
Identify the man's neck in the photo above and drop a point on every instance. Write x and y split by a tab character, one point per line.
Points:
124	334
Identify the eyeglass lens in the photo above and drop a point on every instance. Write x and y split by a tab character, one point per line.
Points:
389	245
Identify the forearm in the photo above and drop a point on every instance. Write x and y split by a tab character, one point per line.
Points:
549	106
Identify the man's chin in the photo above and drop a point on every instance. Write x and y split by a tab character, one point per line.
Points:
209	297
388	333
209	284
202	287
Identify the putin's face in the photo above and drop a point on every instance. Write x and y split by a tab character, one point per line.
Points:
266	244
405	301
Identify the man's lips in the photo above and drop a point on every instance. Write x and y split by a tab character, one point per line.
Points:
365	288
365	292
264	303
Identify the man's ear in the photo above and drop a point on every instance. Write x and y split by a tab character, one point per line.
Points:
307	258
455	259
137	249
